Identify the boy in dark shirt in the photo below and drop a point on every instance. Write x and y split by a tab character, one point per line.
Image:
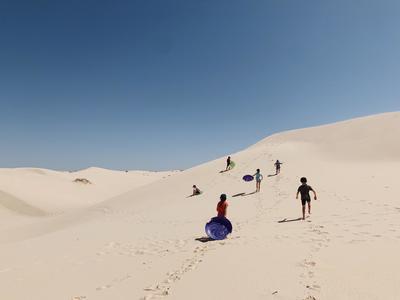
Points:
277	167
304	190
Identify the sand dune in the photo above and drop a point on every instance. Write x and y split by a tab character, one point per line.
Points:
54	192
145	242
27	194
20	206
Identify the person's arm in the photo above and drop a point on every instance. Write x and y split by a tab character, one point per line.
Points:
297	194
315	194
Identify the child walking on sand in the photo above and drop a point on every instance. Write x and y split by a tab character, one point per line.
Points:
222	206
259	178
304	190
277	167
228	163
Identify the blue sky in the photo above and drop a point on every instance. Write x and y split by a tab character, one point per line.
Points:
170	84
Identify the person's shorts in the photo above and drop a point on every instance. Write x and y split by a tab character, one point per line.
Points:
259	180
304	201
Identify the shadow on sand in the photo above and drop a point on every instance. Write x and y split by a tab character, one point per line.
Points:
243	194
240	194
289	220
204	239
194	195
272	175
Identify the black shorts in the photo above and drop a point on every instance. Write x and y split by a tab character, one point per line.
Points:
303	201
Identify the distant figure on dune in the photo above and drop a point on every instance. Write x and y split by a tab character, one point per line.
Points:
228	163
304	190
258	176
222	206
196	191
277	167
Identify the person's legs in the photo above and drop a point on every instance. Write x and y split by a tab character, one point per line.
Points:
303	206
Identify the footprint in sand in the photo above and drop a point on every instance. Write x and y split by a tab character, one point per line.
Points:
314	287
163	288
103	287
357	241
310	263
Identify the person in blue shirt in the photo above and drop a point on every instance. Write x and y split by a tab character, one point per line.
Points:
258	176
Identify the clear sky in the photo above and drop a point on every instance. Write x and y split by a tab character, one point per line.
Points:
169	84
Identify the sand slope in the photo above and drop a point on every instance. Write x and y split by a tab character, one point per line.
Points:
54	191
32	195
147	243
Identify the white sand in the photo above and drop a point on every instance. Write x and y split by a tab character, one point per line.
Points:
62	240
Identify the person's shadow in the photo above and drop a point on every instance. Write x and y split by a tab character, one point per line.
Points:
289	220
243	194
204	239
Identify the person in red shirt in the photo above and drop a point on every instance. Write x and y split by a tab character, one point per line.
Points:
222	206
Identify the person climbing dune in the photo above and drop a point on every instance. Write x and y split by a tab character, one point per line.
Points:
277	167
228	163
304	190
258	176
